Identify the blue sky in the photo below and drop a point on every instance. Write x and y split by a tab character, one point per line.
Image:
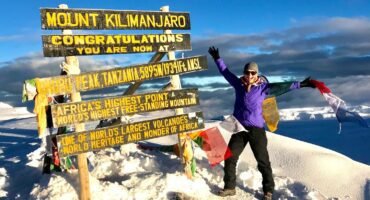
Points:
328	40
21	30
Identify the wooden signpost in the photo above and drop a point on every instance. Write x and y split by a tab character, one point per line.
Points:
76	143
176	84
52	18
77	111
107	108
69	45
83	173
113	77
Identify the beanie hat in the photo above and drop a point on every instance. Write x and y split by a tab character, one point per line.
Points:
251	66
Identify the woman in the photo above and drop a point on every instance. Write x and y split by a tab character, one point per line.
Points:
250	91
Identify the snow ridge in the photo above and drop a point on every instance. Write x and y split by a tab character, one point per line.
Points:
318	113
301	171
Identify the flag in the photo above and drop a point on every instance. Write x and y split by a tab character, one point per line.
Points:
212	142
270	113
231	125
339	106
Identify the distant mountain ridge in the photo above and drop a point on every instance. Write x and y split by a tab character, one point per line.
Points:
288	114
317	113
9	112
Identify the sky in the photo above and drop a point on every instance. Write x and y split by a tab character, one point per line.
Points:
290	40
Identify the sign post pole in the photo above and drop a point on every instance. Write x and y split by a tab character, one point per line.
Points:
176	84
73	66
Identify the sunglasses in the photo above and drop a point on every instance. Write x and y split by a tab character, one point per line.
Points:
250	72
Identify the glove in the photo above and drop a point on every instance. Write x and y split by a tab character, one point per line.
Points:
214	52
307	83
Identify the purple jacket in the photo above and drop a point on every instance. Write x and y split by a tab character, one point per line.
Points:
248	105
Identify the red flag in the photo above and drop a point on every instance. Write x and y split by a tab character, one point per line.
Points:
321	86
215	146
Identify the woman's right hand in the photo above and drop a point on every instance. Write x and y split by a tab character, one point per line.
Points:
214	52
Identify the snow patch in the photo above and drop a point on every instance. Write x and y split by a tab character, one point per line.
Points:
301	171
8	112
3	182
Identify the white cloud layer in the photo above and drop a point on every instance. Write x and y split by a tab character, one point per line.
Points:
335	50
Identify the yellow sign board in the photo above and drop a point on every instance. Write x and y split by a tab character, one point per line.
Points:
52	18
76	143
70	45
107	78
106	108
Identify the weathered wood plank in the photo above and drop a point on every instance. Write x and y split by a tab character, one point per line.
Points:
79	45
112	107
76	143
52	18
113	77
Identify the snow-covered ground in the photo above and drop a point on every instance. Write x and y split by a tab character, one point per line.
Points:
301	171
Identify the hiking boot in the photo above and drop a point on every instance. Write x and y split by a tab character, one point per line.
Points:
267	196
226	192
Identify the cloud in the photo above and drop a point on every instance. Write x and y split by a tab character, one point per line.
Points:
213	106
336	50
13	73
353	90
319	47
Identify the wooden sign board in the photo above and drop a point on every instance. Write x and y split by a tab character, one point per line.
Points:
106	108
113	77
78	45
76	143
52	18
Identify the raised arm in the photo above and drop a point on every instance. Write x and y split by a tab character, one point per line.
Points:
229	76
276	89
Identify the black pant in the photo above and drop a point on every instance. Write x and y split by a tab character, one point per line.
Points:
258	142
